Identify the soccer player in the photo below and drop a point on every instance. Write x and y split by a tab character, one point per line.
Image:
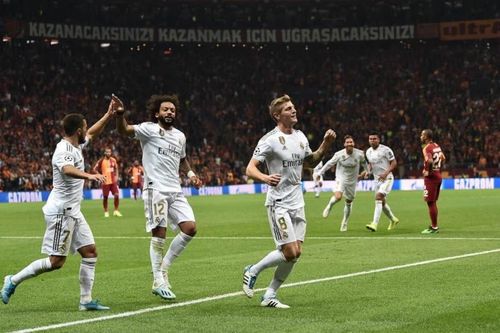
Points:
381	164
136	173
163	154
318	179
348	162
66	228
433	159
108	166
284	150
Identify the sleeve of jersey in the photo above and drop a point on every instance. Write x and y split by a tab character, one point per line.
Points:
262	150
390	154
363	162
141	131
63	158
307	147
427	157
183	149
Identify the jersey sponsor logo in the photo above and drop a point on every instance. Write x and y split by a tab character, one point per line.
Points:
170	150
297	161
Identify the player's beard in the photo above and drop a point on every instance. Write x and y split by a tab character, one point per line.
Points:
166	121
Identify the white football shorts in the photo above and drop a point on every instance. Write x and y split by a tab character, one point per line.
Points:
66	233
287	225
385	186
347	189
164	209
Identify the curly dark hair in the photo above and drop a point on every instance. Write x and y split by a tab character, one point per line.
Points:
154	102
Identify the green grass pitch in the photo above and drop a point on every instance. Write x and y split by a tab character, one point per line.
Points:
452	295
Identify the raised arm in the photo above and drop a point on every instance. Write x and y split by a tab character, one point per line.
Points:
121	123
98	127
317	155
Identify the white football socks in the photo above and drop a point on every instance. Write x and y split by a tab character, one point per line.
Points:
35	268
156	254
378	211
280	275
177	245
387	211
347	211
273	258
87	274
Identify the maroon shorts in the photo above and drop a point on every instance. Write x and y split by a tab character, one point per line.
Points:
137	185
431	188
110	187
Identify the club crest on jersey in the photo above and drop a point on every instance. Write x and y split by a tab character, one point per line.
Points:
301	145
162	132
282	141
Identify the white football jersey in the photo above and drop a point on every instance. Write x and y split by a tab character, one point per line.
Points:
348	165
162	151
284	154
380	159
67	192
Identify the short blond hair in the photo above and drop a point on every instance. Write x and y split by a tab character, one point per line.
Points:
276	105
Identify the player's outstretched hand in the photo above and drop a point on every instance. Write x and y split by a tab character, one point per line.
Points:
273	180
330	136
98	178
196	182
117	105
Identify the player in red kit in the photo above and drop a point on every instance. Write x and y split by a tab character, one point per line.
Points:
108	166
433	161
136	173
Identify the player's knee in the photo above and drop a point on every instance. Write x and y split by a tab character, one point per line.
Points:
57	262
89	251
338	195
189	228
192	232
291	254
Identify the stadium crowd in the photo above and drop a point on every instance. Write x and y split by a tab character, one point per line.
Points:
394	88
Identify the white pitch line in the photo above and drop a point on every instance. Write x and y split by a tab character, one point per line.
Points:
307	238
240	293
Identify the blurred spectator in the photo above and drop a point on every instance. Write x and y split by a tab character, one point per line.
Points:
389	87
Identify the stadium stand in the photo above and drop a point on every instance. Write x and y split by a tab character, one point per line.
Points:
394	87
